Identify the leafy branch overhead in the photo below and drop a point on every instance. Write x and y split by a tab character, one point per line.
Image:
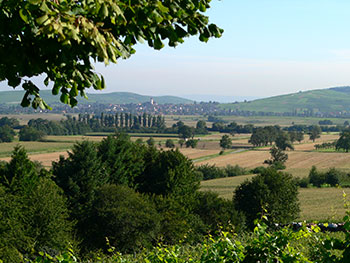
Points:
61	38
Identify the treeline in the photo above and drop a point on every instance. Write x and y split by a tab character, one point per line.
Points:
124	121
133	194
330	178
262	136
130	193
209	172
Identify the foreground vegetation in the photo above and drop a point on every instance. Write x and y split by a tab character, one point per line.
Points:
131	193
263	245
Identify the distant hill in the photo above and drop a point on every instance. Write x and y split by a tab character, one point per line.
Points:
323	100
15	97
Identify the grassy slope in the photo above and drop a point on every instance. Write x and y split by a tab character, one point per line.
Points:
15	97
325	100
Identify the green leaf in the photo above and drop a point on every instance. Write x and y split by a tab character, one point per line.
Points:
202	7
25	101
103	84
56	89
41	20
158	44
23	13
64	98
74	91
34	2
103	11
13	81
73	102
46	81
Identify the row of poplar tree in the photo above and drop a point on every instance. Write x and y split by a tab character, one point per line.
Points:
125	120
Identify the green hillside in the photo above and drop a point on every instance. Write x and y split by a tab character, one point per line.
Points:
15	97
323	100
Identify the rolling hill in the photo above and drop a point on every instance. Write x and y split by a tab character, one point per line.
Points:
323	100
15	97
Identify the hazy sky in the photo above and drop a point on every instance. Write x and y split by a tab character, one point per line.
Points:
269	47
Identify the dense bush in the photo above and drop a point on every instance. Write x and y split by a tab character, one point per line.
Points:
122	159
191	143
218	213
11	122
332	177
209	172
263	245
169	143
28	133
271	190
129	220
33	211
7	134
79	176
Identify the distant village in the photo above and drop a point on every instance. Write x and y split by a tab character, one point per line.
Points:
152	107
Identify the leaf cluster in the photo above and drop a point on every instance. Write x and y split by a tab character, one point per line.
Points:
61	38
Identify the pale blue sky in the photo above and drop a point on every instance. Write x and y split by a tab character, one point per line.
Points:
269	47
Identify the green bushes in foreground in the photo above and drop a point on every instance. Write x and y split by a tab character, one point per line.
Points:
263	245
132	195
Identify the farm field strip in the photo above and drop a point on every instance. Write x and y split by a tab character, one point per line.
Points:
316	204
200	159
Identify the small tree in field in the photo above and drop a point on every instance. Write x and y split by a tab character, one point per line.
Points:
283	141
151	141
343	142
181	142
191	143
299	136
315	132
278	158
169	143
225	142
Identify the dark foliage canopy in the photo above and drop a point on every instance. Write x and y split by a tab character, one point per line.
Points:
271	190
61	38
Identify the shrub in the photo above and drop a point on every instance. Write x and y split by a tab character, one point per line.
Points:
169	143
191	143
151	141
217	213
303	182
30	134
272	190
212	171
258	170
34	216
316	178
6	134
332	177
128	219
236	170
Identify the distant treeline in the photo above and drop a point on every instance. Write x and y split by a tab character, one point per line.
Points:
103	123
125	121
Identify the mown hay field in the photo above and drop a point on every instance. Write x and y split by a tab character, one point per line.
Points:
316	204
